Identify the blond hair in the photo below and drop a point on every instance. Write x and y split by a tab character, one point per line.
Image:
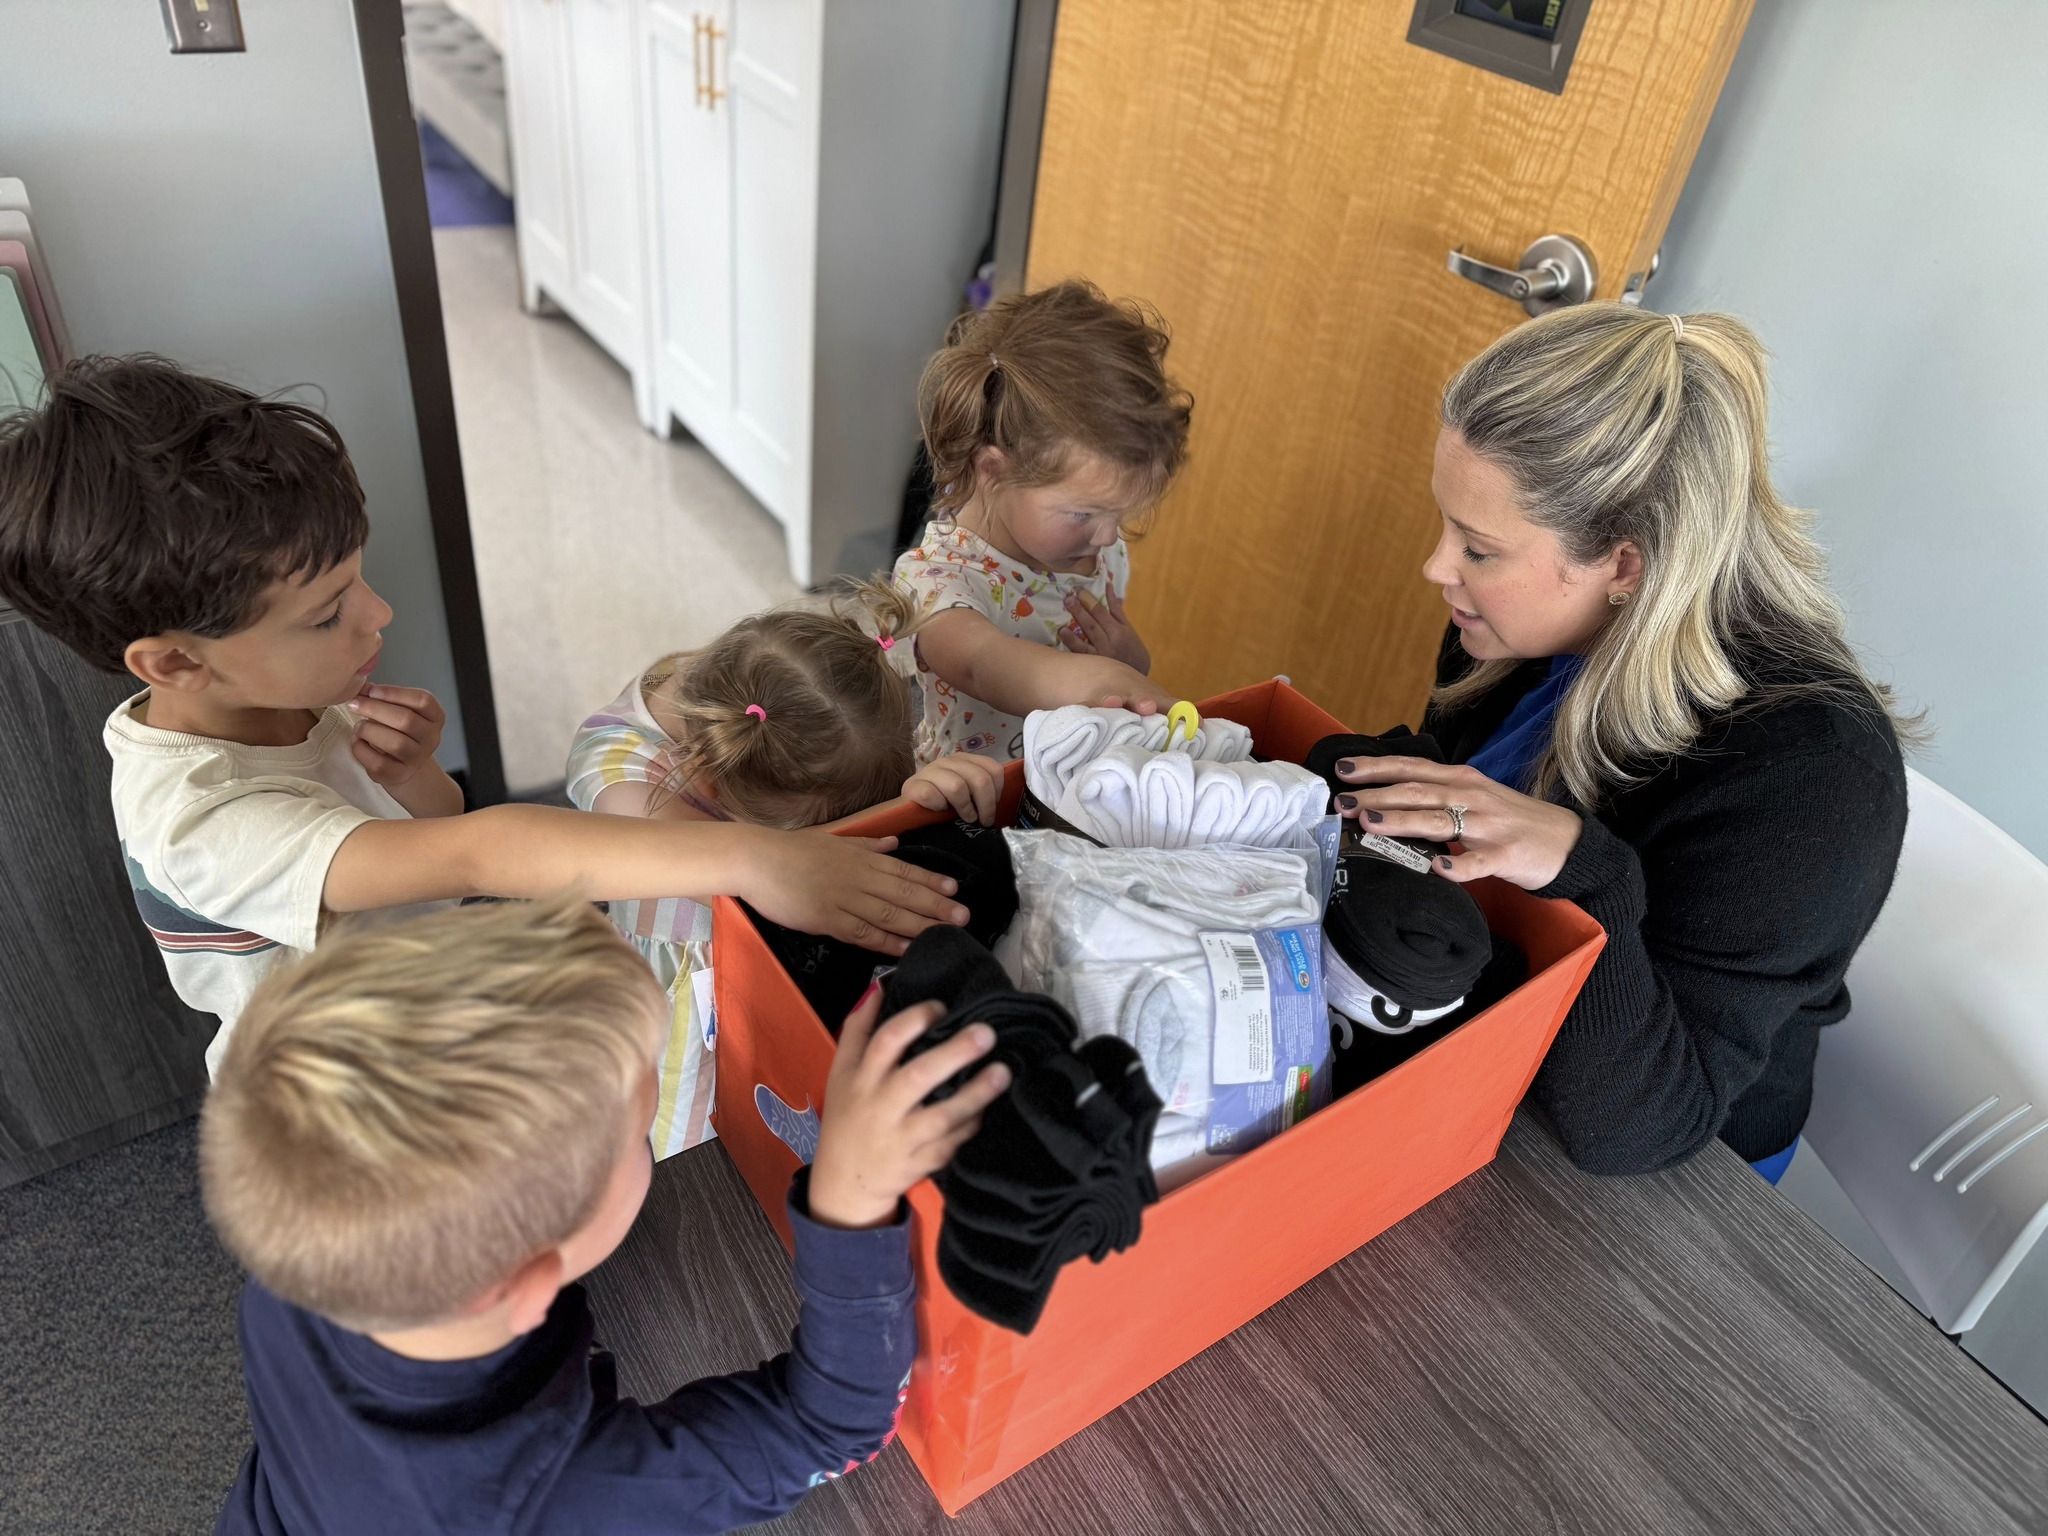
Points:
1037	375
410	1114
833	730
1615	424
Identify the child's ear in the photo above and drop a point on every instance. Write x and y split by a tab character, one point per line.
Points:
529	1293
989	464
162	661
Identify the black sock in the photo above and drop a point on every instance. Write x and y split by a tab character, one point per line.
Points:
832	975
1062	1164
1323	757
1416	937
1362	1054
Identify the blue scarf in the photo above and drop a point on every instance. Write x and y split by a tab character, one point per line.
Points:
1512	752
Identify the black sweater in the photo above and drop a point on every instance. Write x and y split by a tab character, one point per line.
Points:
1734	883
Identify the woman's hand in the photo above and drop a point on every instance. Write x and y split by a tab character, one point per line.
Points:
1511	836
967	784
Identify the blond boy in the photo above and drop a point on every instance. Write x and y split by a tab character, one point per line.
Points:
424	1135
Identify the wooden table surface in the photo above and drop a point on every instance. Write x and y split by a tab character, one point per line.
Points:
1537	1350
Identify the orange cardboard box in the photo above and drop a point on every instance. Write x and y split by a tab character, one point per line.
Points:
984	1401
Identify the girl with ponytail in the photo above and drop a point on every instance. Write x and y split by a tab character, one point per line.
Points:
1650	708
1052	429
792	718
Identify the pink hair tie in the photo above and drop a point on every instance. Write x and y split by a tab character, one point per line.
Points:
758	713
886	642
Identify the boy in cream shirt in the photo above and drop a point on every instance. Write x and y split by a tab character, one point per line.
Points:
210	543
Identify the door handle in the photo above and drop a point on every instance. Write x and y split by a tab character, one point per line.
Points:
714	34
697	55
1557	270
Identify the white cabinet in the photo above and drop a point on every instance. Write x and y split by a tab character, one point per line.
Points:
571	78
766	210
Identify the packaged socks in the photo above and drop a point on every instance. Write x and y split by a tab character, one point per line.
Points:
1116	934
832	975
1418	939
1061	1165
1058	742
1131	798
1363	1052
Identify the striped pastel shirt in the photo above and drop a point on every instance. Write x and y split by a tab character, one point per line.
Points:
622	744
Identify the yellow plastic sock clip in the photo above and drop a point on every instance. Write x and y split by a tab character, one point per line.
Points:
1181	715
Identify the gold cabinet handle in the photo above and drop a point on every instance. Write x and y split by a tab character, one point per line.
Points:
714	34
697	25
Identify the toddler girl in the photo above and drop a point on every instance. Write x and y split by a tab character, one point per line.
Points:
791	718
1051	425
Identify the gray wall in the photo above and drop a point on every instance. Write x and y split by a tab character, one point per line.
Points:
1870	197
225	210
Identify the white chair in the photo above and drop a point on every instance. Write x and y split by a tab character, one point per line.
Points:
1930	1104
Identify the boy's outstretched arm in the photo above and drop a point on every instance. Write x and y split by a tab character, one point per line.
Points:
842	887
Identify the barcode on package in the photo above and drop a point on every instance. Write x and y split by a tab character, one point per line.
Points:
1238	983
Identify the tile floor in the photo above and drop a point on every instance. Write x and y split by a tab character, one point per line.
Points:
598	546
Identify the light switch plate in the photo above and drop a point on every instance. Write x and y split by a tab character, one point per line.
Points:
204	26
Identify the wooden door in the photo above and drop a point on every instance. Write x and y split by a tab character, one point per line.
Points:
1284	181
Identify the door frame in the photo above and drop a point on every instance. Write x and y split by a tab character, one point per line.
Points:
394	135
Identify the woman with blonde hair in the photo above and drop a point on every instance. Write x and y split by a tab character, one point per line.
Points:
1650	709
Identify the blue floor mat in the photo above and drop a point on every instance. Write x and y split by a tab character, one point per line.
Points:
457	194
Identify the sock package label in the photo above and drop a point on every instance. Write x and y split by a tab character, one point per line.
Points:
1271	1047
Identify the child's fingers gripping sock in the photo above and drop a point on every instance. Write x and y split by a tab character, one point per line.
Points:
832	975
1060	1165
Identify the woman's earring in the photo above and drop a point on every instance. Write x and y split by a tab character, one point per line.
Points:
1617	599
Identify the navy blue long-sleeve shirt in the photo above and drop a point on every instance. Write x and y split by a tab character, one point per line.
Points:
354	1440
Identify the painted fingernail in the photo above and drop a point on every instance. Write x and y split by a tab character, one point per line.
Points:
1347	802
1374	816
1348	765
1445	861
873	988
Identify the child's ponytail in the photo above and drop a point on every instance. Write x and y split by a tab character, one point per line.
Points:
796	716
1038	375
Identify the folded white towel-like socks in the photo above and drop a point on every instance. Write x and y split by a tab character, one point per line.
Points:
1058	742
1130	798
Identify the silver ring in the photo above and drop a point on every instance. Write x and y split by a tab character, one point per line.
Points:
1457	821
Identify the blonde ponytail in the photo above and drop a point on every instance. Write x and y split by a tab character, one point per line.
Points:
1617	425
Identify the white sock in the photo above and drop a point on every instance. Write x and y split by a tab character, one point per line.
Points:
1354	999
1130	798
1057	742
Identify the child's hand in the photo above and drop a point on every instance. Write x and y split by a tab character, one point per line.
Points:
878	1136
399	730
844	888
1103	630
967	783
1108	684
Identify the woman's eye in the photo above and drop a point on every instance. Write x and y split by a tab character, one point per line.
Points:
1475	556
